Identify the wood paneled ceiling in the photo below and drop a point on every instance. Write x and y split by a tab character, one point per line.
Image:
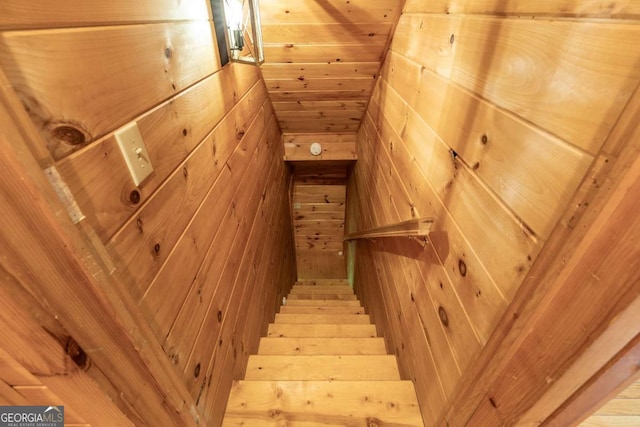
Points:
321	59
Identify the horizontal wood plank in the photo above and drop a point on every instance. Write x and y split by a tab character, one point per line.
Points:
328	95
293	309
301	83
322	368
343	33
319	303
570	8
328	403
15	14
334	70
343	319
332	11
344	297
324	125
319	289
165	59
313	106
327	331
322	346
327	53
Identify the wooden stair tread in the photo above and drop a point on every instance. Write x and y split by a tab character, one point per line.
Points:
345	297
322	303
322	403
328	330
344	319
319	368
324	346
322	290
321	310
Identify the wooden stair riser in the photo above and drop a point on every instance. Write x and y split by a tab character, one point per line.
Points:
322	303
322	368
321	346
342	319
284	330
343	297
321	290
325	282
330	404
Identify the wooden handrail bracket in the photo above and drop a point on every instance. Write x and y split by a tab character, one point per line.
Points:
410	228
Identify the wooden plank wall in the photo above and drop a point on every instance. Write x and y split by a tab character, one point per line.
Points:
50	373
189	242
321	59
488	121
319	191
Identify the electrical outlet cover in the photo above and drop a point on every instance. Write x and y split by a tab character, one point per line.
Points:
134	152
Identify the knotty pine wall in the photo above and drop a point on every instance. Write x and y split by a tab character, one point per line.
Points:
318	196
189	242
486	117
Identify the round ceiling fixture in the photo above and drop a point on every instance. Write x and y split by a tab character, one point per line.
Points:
315	149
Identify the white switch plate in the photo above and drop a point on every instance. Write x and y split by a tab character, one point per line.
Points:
134	152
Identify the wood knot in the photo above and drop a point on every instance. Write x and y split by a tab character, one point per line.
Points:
274	413
444	317
462	267
493	402
76	353
219	316
156	250
134	197
452	39
196	371
69	135
373	422
484	139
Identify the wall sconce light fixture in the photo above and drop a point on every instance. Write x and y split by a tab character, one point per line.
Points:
243	31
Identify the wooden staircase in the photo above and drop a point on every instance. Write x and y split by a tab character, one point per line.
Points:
321	364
